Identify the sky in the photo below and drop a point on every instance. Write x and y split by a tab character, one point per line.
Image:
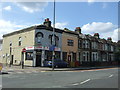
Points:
92	17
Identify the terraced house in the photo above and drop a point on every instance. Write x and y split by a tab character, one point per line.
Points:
33	45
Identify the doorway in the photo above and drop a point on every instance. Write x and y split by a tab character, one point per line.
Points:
11	59
38	60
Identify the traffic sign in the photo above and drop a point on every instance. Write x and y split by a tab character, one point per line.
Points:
52	48
23	50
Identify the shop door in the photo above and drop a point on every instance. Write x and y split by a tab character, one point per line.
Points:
12	60
38	60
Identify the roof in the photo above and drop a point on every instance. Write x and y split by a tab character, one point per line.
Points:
20	31
33	28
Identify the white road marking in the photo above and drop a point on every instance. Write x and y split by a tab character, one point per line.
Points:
75	84
85	81
28	72
82	71
35	71
110	75
43	71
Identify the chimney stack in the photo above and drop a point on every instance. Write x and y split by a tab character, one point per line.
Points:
109	39
96	35
47	22
78	30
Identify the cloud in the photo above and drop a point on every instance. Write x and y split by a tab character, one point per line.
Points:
8	8
104	29
113	34
119	34
32	7
91	2
61	25
7	27
98	27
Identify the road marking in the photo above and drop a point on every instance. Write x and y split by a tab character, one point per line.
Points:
43	71
28	72
82	71
85	81
75	84
110	75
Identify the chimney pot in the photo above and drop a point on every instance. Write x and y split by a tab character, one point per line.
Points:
47	19
96	35
109	38
78	30
47	22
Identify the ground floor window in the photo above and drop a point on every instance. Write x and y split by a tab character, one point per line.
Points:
29	55
64	56
86	56
57	55
48	55
94	56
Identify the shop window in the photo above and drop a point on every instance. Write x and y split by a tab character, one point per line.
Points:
70	42
29	55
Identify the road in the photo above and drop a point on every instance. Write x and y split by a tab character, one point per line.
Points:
101	78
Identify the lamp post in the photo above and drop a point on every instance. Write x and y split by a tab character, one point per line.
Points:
53	39
22	62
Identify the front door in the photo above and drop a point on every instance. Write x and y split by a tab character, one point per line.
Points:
38	60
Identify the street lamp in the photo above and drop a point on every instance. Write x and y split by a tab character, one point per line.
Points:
53	39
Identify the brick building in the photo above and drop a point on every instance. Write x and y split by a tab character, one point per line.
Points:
72	46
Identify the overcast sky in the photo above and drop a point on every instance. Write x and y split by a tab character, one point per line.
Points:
92	17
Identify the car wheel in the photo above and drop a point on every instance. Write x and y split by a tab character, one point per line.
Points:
56	66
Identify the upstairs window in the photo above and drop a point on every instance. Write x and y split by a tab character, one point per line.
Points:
79	44
56	40
70	42
38	37
10	44
20	41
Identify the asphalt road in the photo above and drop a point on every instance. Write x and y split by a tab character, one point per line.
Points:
102	78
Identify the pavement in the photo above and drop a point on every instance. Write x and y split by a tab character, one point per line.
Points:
18	69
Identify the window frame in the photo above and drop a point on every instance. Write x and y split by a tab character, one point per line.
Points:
70	42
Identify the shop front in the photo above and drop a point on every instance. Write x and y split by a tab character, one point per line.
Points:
36	55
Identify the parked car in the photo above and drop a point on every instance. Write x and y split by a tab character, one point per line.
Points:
57	63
